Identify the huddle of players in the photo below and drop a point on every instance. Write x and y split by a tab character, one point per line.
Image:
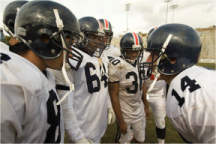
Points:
56	78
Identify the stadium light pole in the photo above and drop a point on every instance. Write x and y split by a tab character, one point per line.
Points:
127	8
173	7
167	1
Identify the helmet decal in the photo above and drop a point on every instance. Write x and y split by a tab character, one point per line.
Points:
106	24
100	25
136	40
100	29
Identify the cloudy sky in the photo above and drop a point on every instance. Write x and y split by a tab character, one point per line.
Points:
143	14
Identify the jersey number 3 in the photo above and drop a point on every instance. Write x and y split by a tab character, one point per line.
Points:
185	82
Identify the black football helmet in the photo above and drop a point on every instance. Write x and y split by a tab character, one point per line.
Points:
90	25
107	27
149	33
47	19
183	43
131	42
9	16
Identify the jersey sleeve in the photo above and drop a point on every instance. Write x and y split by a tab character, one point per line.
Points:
202	116
12	112
70	121
114	71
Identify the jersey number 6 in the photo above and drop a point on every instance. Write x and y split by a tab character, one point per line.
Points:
91	78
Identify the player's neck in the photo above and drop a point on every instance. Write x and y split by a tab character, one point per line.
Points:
168	78
33	58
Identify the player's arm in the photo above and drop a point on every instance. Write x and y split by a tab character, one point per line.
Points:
71	124
113	88
145	101
113	91
12	112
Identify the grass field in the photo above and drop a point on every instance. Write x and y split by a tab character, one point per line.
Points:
208	65
172	135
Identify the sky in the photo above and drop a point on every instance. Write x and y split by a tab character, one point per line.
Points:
143	14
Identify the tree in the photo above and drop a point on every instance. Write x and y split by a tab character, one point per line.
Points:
140	32
213	26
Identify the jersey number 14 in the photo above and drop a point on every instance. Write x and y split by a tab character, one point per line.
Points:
185	82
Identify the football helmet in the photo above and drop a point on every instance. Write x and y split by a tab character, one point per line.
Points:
39	20
131	42
107	27
92	26
9	16
151	30
173	41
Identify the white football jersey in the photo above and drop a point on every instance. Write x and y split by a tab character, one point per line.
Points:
112	51
29	113
4	46
190	104
130	89
90	96
158	91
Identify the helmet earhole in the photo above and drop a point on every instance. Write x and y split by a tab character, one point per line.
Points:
45	38
11	23
173	60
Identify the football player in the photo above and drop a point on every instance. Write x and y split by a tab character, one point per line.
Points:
29	113
107	27
156	99
85	110
111	51
126	88
190	102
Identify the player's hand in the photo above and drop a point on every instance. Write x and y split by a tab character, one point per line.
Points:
147	113
84	140
111	116
123	128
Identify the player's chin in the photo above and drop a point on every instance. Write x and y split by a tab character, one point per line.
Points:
92	51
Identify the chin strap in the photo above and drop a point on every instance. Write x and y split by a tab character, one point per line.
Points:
157	74
8	30
60	25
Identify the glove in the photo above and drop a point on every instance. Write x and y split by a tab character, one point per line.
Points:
111	116
84	140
